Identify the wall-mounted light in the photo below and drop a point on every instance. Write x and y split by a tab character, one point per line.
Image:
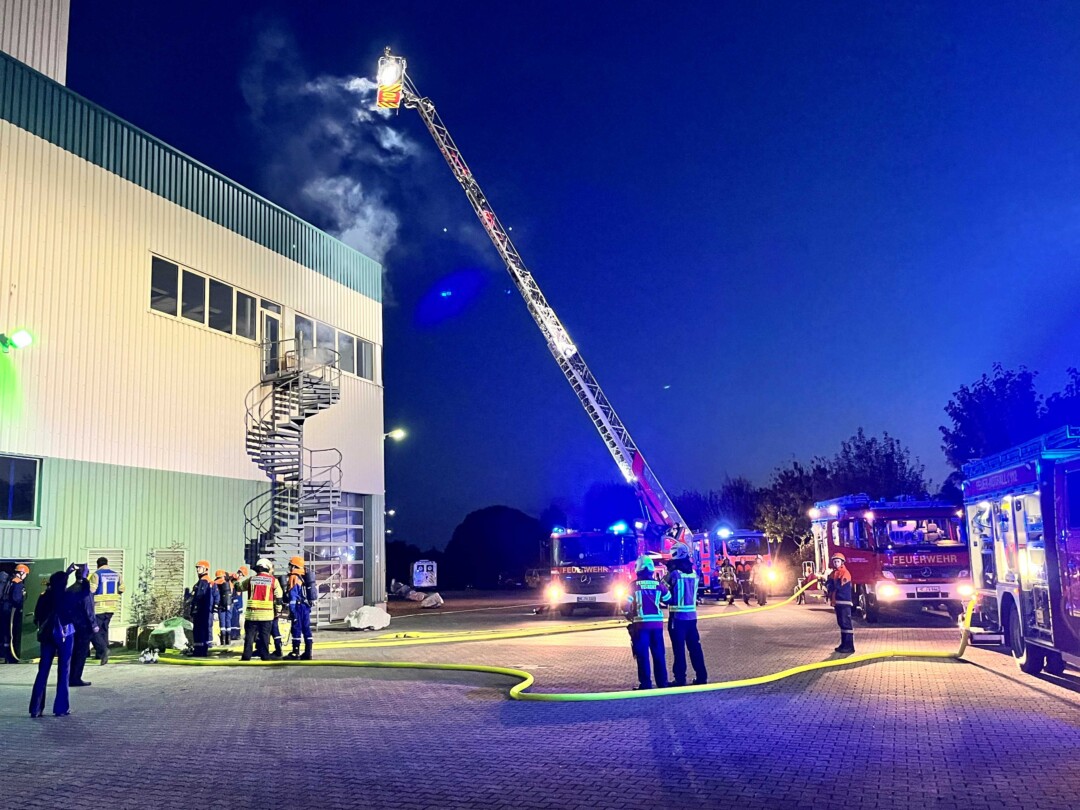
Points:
16	340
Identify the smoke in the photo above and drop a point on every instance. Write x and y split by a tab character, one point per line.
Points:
331	157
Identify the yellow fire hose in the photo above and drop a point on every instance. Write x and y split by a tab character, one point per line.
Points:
526	679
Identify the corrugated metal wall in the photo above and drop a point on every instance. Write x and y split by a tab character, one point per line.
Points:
107	379
66	119
36	32
93	506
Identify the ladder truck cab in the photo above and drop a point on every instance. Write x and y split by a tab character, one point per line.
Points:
590	569
1023	521
901	554
741	547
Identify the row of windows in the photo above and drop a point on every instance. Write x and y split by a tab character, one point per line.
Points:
18	488
194	297
355	355
191	296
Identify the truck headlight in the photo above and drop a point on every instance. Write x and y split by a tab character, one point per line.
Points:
770	575
887	591
619	592
965	590
554	592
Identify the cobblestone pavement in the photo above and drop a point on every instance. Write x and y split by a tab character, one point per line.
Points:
892	734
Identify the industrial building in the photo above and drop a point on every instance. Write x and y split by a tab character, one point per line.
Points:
205	375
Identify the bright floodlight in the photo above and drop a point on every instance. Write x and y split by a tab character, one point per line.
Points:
724	533
390	70
16	340
397	434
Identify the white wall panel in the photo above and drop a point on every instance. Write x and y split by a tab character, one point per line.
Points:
108	380
36	32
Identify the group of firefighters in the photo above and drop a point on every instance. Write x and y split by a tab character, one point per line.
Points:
225	595
678	591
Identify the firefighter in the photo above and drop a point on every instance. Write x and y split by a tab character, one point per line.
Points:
742	574
12	597
237	603
759	580
682	617
107	586
203	601
647	624
262	590
223	606
275	625
838	587
728	580
301	594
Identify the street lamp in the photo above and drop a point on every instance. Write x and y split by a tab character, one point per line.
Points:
397	434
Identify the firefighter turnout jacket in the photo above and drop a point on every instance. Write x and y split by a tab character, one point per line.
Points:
838	586
645	598
682	600
262	590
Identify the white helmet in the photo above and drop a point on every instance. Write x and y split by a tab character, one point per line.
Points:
263	563
680	551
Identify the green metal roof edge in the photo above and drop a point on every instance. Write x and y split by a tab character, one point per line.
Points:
34	102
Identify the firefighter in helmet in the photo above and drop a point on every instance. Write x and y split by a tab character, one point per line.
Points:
262	591
647	624
223	606
275	625
838	587
12	597
682	582
728	580
204	598
237	602
301	595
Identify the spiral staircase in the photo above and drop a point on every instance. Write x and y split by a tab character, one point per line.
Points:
298	381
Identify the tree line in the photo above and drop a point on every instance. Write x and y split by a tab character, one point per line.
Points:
494	546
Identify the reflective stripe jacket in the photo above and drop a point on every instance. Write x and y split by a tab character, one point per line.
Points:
839	587
296	592
107	585
682	601
645	597
262	590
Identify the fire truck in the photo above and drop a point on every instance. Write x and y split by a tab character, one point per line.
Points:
741	547
662	525
590	569
1023	522
901	554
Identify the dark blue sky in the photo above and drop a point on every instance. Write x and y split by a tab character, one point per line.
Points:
764	224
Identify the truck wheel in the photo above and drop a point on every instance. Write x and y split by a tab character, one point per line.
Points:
868	608
956	610
1055	664
1028	657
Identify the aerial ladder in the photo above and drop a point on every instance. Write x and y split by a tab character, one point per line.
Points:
396	89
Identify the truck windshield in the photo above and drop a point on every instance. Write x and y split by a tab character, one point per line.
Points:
606	550
744	546
935	532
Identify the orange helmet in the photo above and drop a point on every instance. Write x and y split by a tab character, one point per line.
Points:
220	573
244	570
203	564
296	562
838	556
22	569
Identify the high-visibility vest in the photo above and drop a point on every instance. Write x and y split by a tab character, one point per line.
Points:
261	592
107	589
646	596
683	593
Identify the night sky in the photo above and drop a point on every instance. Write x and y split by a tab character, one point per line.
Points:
764	224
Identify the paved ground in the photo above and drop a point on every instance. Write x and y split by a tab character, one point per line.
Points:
889	734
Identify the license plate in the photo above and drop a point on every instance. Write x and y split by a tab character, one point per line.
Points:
586	598
922	591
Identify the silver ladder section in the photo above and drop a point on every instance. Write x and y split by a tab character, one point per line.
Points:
298	381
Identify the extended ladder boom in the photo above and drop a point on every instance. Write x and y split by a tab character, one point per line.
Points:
396	88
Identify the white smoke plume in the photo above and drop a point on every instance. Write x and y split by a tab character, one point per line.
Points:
329	153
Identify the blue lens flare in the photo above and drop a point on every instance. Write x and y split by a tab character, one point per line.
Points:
450	297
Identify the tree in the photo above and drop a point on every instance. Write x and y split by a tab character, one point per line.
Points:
995	413
785	501
490	543
735	505
882	468
552	516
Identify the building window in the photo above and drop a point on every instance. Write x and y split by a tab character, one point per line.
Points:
193	297
18	488
221	307
346	352
245	315
304	329
202	299
163	286
365	361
